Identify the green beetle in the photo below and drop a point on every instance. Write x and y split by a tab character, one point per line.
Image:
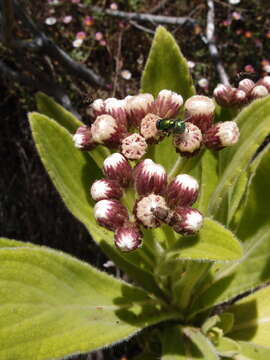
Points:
174	126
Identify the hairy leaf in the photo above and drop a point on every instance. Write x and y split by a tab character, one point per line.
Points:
254	352
205	346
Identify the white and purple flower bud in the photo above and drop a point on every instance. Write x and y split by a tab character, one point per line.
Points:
98	107
239	97
221	135
246	85
117	109
265	81
259	91
128	237
83	138
108	131
223	95
138	106
105	189
145	207
110	214
116	167
134	146
189	143
167	104
149	177
148	129
182	191
200	110
186	221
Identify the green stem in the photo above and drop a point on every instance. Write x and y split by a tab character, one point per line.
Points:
184	165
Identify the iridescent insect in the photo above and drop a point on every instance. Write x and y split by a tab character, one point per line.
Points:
171	126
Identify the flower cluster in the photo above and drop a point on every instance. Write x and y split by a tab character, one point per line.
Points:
157	201
246	91
129	125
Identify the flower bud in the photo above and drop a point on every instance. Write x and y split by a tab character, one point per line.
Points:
265	81
138	106
83	139
259	91
239	97
110	214
116	167
106	130
246	85
186	221
167	104
145	207
106	189
148	129
149	177
221	135
98	107
117	109
223	95
134	146
182	191
128	237
188	143
199	110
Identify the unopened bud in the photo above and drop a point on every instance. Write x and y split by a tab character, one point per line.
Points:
145	207
187	221
200	110
138	106
239	97
128	237
106	130
83	139
117	109
259	91
148	129
246	85
106	189
149	177
134	146
189	143
221	135
116	167
167	104
265	81
98	107
182	191
223	95
110	214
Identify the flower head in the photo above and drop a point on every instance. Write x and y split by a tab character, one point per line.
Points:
116	167
128	237
110	214
221	135
199	111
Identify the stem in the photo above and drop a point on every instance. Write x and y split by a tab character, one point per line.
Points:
184	165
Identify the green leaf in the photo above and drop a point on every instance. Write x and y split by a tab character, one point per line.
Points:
227	347
53	305
254	352
166	68
212	243
9	243
252	318
47	106
202	342
236	159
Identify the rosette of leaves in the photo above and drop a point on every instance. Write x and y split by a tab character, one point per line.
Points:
205	296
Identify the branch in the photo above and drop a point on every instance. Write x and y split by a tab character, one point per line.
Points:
159	19
211	43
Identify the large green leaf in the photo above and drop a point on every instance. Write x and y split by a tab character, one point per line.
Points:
166	68
72	173
212	243
53	305
7	243
255	125
254	352
252	318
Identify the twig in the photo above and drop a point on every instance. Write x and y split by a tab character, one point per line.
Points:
158	19
140	27
117	62
211	43
159	6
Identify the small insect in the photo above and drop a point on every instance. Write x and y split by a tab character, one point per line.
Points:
174	126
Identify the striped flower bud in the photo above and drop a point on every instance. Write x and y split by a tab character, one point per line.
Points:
106	130
167	104
259	91
223	95
189	143
182	191
265	81
246	85
145	207
128	237
98	107
221	135
134	146
199	110
138	106
186	221
83	139
239	97
117	109
110	214
148	129
116	167
149	177
106	189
